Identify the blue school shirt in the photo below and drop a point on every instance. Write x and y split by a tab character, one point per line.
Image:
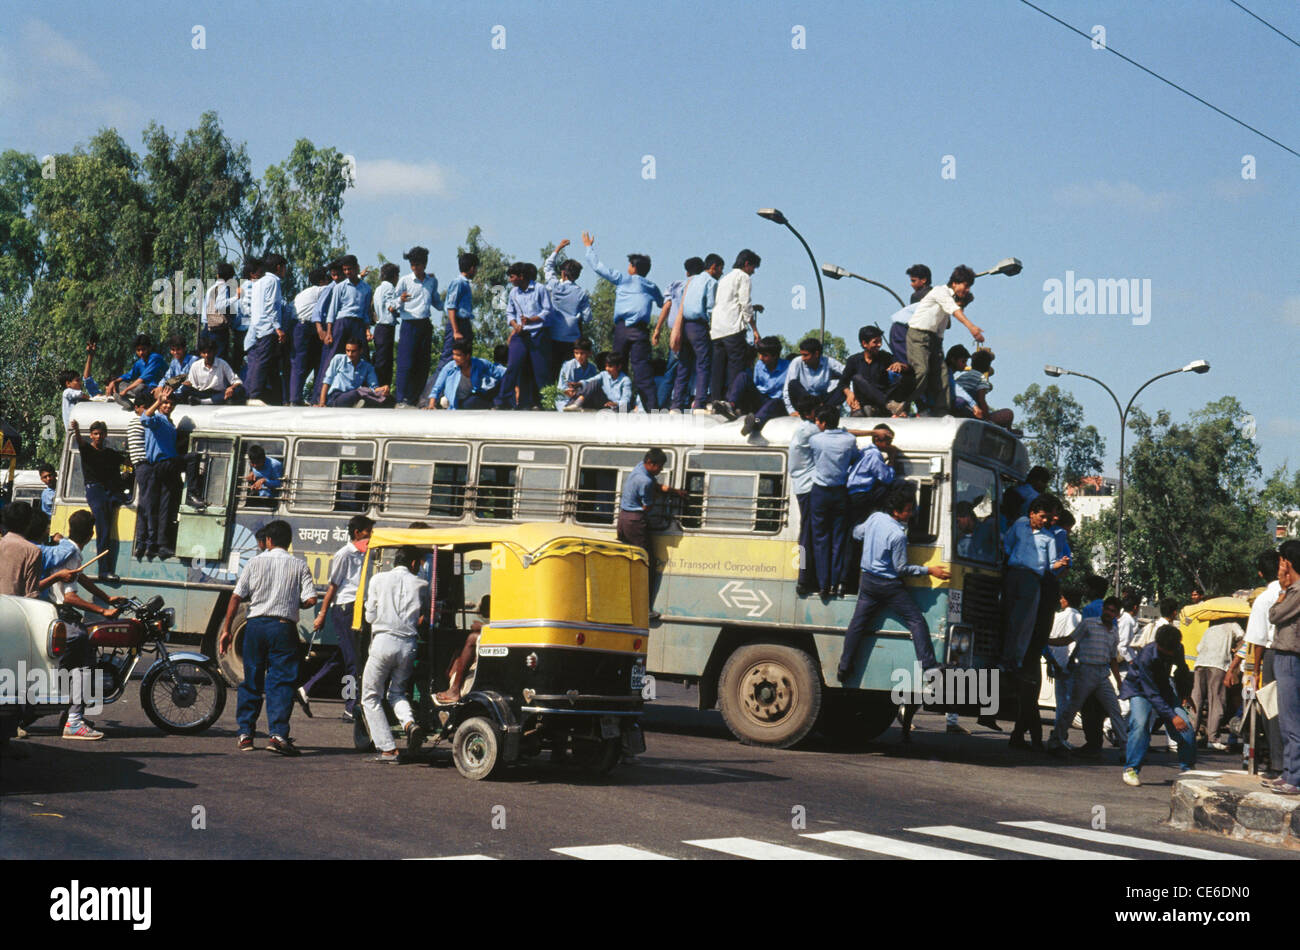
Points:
320	311
834	451
341	376
273	471
816	382
698	299
460	297
53	555
151	369
1062	538
159	438
570	305
870	471
1027	548
571	372
532	301
618	391
265	309
180	367
423	299
47	501
801	457
638	489
350	302
884	548
770	382
386	303
635	297
449	377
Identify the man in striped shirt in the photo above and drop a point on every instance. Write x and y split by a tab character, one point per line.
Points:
1098	643
135	449
276	585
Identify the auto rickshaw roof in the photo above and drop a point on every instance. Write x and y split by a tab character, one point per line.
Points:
1216	608
531	540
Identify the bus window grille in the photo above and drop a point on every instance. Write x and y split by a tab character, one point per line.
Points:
981	609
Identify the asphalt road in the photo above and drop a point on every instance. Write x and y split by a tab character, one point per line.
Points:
695	793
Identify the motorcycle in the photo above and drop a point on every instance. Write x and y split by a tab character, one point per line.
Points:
183	692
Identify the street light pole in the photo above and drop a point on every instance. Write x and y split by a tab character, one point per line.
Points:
1197	366
835	273
772	214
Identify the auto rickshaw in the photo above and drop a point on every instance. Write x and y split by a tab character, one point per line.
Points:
561	660
1195	619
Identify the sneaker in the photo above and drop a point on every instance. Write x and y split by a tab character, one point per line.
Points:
347	716
575	406
725	409
1131	777
414	737
1283	788
245	743
281	746
747	426
390	757
300	697
403	405
1055	745
1273	782
896	408
988	722
1219	746
83	731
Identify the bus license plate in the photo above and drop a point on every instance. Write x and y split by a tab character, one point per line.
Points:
609	727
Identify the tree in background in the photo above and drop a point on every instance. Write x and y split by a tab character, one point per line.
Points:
1056	436
833	346
1281	499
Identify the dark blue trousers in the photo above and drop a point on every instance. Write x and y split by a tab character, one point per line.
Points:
728	363
694	362
103	505
342	332
527	369
875	593
634	344
807	571
270	653
383	361
143	510
305	350
830	531
414	353
262	378
222	336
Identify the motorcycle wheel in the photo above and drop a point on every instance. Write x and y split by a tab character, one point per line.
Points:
188	705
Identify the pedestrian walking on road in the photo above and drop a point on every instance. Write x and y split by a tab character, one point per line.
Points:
340	598
1149	689
395	604
1096	640
276	585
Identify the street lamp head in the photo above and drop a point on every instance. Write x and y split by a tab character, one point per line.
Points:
1010	266
1053	370
772	215
834	271
1197	366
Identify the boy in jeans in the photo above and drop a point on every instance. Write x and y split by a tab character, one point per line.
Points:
1151	698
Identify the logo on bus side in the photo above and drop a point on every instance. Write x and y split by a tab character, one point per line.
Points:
736	595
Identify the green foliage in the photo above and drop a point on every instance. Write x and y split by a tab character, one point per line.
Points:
1057	437
29	397
835	347
490	293
20	242
1281	499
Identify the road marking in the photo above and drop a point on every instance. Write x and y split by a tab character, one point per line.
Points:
1039	849
1107	837
758	850
611	852
457	857
893	847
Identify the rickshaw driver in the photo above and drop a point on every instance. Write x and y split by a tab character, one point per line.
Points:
395	603
464	660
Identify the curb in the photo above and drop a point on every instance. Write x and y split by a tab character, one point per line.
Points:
1233	804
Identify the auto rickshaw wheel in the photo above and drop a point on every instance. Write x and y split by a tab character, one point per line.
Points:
476	748
770	694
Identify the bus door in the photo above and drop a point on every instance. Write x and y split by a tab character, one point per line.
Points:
203	535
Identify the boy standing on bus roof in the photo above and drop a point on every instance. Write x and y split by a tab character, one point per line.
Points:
835	451
397	601
733	311
386	305
925	350
635	298
304	344
459	301
340	598
639	491
884	565
417	296
570	306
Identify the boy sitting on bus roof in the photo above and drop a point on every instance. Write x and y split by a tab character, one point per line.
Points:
350	380
577	370
77	387
146	373
610	390
464	382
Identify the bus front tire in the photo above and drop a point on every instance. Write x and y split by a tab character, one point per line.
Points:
770	694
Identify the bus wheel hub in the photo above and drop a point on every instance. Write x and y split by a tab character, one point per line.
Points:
768	692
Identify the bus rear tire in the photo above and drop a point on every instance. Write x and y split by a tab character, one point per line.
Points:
770	694
231	663
853	719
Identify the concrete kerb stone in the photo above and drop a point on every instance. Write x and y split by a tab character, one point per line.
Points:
1233	804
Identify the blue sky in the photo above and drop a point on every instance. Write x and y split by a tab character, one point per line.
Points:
1064	156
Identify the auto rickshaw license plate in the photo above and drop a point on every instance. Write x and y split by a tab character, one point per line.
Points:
638	674
609	727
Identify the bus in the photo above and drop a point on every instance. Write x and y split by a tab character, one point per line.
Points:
726	615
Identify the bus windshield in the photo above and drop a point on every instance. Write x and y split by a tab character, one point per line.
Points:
975	505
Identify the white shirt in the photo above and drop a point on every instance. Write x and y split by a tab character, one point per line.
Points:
934	313
275	584
70	397
304	304
217	376
345	573
1127	627
1215	649
395	602
58	591
1258	630
732	309
1062	626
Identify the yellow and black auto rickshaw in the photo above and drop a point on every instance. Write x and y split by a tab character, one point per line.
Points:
560	660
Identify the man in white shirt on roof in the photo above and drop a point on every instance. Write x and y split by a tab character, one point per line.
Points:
210	379
733	311
396	604
925	353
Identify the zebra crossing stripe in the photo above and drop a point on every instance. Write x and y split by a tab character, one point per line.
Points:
758	850
1038	849
457	857
893	847
611	852
1126	841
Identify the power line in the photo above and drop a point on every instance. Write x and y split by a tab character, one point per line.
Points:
1265	22
1167	82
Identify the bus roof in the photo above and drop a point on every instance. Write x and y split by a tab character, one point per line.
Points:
634	429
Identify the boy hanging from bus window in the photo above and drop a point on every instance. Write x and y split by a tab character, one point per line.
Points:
639	491
340	596
396	603
265	476
834	452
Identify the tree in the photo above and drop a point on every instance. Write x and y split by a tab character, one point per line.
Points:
1057	437
1281	499
20	242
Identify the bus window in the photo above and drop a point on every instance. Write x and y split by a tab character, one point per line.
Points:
974	510
521	482
332	476
734	491
924	526
72	483
600	481
422	478
274	449
218	459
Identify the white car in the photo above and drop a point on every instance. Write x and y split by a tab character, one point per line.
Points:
31	639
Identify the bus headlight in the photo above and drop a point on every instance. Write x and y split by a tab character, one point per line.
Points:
961	641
